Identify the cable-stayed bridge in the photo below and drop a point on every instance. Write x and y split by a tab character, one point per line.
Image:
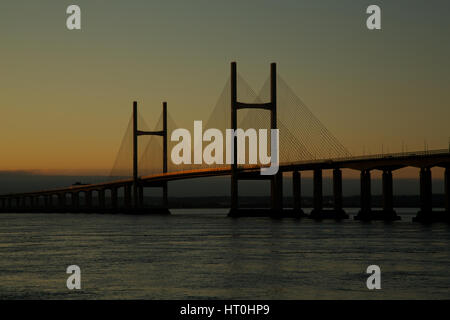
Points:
305	144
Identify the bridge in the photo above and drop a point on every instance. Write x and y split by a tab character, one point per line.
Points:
305	145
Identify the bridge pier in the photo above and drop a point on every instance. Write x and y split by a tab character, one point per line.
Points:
101	200
32	202
388	212
36	202
47	202
388	201
25	203
337	194
166	196
140	196
317	194
426	195
75	205
297	192
20	203
114	199
61	202
88	200
277	193
426	214
365	213
234	194
127	197
318	212
234	210
447	189
337	189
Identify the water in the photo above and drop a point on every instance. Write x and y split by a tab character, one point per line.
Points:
202	254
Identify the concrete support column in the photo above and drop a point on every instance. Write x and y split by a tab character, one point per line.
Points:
101	198
276	192
388	191
135	156
88	196
279	191
127	196
447	189
114	202
23	202
337	189
75	200
165	195
277	181
366	194
62	200
297	190
425	190
141	196
48	201
318	195
165	167
234	193
234	181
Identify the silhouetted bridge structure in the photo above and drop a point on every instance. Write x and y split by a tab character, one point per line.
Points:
56	200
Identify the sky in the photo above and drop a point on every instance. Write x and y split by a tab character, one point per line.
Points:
66	96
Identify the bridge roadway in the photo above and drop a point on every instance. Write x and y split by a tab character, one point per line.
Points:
43	200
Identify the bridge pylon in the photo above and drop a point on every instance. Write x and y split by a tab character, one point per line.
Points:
138	184
276	181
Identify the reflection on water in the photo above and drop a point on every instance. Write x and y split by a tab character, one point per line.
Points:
199	254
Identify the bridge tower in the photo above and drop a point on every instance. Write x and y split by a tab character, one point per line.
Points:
138	185
276	181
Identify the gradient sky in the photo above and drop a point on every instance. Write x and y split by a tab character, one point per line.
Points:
65	96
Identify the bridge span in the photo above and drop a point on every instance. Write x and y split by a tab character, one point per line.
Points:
96	199
68	199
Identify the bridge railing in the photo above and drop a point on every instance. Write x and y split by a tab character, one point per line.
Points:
396	155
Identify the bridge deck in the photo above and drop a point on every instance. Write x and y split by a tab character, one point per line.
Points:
391	161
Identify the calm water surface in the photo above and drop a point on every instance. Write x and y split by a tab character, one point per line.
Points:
202	254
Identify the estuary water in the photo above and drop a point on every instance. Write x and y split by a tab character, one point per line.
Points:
203	254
